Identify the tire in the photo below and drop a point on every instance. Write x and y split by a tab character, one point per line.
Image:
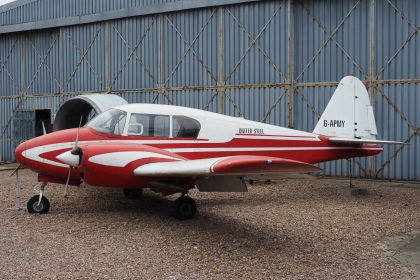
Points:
34	208
184	208
133	193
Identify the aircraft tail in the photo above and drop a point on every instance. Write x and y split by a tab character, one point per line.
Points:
349	113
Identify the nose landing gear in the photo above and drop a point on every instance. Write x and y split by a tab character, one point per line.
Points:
39	203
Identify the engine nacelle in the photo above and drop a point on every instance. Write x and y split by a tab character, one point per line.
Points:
112	164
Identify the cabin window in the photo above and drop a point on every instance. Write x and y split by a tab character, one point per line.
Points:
148	125
109	122
185	127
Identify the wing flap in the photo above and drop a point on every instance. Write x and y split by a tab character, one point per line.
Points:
234	165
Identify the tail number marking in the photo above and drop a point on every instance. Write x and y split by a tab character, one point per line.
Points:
334	123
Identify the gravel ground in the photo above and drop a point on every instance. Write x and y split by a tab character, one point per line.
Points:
294	229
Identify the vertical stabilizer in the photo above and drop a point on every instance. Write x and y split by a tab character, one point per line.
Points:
349	113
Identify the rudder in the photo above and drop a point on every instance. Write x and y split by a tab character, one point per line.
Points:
349	113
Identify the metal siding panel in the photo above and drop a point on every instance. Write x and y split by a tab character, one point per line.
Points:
41	62
133	53
267	105
83	58
7	107
9	66
321	58
256	43
190	48
202	99
397	118
397	40
52	9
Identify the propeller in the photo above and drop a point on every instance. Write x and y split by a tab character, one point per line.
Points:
16	170
72	158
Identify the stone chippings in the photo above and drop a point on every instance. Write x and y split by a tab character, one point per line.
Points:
289	229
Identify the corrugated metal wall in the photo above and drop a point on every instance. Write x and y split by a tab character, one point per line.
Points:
271	61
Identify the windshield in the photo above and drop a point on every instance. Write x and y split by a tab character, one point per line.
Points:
109	122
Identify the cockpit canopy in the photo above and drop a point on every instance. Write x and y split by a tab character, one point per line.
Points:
119	122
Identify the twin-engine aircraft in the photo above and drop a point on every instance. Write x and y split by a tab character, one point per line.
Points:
172	149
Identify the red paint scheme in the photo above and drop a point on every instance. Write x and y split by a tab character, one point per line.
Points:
270	164
107	176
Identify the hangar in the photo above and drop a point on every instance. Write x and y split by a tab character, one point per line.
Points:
271	61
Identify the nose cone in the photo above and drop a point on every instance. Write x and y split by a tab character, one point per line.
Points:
19	152
69	158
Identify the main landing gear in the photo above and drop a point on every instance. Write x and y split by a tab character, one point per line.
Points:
39	203
184	208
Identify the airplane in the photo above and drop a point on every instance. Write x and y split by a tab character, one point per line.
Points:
172	149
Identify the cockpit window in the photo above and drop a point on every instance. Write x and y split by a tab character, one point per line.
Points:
185	127
149	125
109	122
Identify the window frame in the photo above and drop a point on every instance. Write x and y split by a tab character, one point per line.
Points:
189	117
123	132
127	126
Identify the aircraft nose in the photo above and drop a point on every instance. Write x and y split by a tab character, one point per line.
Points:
19	152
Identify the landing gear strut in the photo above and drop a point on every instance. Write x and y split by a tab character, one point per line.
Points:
39	203
184	208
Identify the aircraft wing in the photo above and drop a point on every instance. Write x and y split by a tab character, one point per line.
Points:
232	165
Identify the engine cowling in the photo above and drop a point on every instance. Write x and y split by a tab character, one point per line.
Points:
112	164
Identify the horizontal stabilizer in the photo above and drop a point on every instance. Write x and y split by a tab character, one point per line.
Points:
363	141
234	165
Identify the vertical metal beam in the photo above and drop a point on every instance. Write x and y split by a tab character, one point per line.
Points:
220	60
161	78
107	57
22	66
61	62
290	79
372	80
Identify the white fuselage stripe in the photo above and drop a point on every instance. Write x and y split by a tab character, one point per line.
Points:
121	159
251	149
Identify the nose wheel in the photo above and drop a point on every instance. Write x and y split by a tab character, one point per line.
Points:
184	208
37	206
39	203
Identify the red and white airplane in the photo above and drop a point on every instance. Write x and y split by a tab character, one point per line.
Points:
172	149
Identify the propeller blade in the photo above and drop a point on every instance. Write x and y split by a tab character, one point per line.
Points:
67	183
16	170
77	135
43	128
